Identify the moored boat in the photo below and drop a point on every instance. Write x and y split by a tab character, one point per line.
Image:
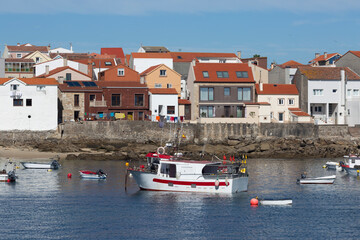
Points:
41	165
351	165
333	166
8	173
99	174
275	201
167	173
317	180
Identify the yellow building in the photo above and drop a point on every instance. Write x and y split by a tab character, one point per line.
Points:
38	57
161	76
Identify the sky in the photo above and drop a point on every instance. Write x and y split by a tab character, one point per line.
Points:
280	30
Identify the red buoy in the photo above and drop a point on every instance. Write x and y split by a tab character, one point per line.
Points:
69	175
142	166
254	202
8	180
224	157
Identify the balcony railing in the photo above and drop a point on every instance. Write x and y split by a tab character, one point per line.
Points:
98	104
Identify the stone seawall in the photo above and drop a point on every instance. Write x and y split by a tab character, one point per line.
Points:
123	139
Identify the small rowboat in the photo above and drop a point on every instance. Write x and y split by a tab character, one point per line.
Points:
38	165
275	202
99	174
318	180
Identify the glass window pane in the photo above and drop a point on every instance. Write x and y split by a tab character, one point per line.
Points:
204	94
245	74
226	91
240	95
211	94
219	74
210	111
246	94
225	74
203	111
205	74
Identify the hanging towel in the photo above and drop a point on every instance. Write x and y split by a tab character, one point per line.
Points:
181	118
157	118
171	119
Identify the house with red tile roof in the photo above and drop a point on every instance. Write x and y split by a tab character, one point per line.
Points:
283	98
283	73
163	104
45	67
184	109
99	63
327	59
119	73
222	92
350	59
66	73
28	104
330	94
117	52
19	51
141	61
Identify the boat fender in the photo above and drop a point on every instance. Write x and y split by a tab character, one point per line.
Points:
217	183
160	150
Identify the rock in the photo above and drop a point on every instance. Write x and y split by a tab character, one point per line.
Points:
265	147
249	148
232	142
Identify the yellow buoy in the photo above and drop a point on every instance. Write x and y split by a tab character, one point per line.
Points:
324	166
49	170
127	164
17	167
357	171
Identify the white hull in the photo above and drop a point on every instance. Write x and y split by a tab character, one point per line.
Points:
4	177
92	176
333	166
352	171
37	165
154	182
317	181
276	202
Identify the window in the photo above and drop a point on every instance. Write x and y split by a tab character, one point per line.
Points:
76	100
162	72
28	102
206	94
281	117
244	94
271	115
318	109
18	55
170	109
40	88
242	74
121	72
141	116
37	59
115	100
348	92
207	111
226	91
169	85
92	97
158	85
223	74
205	74
280	101
318	92
68	77
240	112
108	64
17	102
334	90
348	111
14	87
291	101
355	92
139	100
222	60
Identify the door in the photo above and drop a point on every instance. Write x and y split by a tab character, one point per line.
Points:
76	115
227	111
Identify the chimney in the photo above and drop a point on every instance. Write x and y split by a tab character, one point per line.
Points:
317	55
47	70
65	62
71	47
142	80
60	79
261	85
325	55
194	62
272	65
18	44
239	54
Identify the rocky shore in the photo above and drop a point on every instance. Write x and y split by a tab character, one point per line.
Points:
259	147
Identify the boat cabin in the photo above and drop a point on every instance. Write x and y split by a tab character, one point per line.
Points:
352	161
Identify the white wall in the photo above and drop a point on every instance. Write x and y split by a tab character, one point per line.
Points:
165	100
141	64
40	68
275	108
353	104
43	112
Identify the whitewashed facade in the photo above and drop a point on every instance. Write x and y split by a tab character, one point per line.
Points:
28	104
53	64
162	105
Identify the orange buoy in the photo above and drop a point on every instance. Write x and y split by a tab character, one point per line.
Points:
69	175
254	202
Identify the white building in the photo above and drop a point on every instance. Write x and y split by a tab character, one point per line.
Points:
46	67
142	61
28	104
330	95
163	103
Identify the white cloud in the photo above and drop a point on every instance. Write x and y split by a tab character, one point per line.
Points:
140	7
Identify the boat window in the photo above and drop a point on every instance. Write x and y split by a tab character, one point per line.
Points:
353	160
210	169
168	169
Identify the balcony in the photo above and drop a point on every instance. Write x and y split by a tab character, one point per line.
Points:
98	104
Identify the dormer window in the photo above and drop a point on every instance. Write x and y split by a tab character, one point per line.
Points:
162	72
108	64
121	72
14	87
242	74
205	74
18	55
222	61
223	74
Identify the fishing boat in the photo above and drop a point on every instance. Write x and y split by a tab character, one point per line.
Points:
41	165
333	166
99	174
275	201
8	173
318	180
170	173
351	165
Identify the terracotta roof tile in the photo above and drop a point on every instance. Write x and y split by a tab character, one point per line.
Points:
277	89
322	57
189	56
23	48
118	52
149	70
291	64
19	60
184	102
151	55
295	109
327	73
163	91
356	53
33	81
231	68
60	69
300	114
98	62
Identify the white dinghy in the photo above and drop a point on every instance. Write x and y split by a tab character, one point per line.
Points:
318	180
275	201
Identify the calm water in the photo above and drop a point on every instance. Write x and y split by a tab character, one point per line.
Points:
47	205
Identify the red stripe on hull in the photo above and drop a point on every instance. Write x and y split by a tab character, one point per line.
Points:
188	183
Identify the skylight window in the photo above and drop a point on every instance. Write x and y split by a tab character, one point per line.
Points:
242	74
223	74
179	57
205	74
108	64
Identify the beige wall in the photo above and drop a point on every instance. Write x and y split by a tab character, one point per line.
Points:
75	76
171	77
264	113
276	108
19	75
260	74
43	57
67	100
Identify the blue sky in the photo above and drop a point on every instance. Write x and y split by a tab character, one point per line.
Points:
282	30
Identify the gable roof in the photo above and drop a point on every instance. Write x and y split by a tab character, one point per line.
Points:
150	55
322	57
298	112
60	69
167	91
290	64
24	48
356	53
277	89
98	62
189	56
32	81
327	73
231	68
117	52
29	60
153	68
